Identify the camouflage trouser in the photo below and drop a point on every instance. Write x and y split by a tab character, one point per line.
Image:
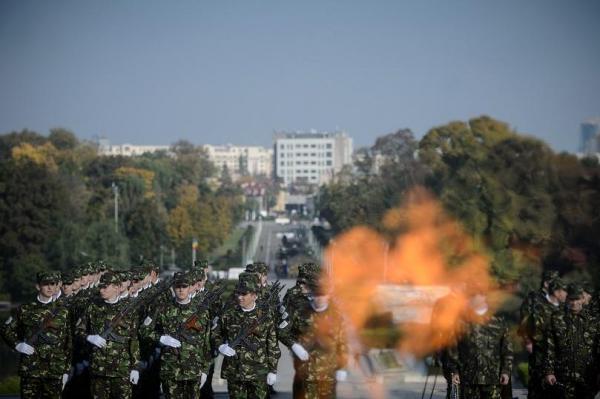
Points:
189	389
206	390
479	391
320	389
572	390
40	387
248	389
110	387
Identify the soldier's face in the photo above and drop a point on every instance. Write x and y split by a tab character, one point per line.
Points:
321	300
561	295
247	300
263	280
46	290
182	292
110	291
67	289
576	305
125	285
586	298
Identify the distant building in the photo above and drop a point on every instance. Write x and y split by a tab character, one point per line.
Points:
241	160
590	137
310	157
127	150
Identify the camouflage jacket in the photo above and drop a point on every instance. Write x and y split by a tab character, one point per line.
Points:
258	354
46	327
323	336
191	326
572	346
483	351
121	353
526	323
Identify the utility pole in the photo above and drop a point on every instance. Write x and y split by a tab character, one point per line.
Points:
194	248
116	192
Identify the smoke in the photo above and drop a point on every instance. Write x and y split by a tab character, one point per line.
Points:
430	255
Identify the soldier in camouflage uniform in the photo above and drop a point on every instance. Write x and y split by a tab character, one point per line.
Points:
539	320
40	333
573	349
182	328
319	344
247	339
112	338
481	361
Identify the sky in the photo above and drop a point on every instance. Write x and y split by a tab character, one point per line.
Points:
217	72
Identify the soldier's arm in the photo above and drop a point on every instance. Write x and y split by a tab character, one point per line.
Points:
506	352
68	340
273	352
341	345
549	354
134	346
9	330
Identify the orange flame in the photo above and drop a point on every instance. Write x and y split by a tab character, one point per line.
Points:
432	250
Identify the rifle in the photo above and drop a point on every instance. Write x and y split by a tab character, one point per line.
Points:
110	326
454	391
242	336
190	324
47	323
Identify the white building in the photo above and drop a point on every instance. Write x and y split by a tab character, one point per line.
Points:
127	150
310	157
240	160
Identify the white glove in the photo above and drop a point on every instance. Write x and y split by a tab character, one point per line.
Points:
96	340
271	378
341	375
300	352
203	378
24	348
282	309
284	315
65	379
227	350
167	340
134	377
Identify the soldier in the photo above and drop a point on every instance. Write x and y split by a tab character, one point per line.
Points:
573	349
248	341
182	328
320	346
40	333
540	317
481	360
112	337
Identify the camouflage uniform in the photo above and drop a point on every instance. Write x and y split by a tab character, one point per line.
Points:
573	352
44	326
181	368
257	355
482	354
110	366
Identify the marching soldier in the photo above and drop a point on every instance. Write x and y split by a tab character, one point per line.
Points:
111	334
248	340
481	361
573	349
320	345
40	333
182	328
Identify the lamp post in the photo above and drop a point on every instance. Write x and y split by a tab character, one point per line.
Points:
115	189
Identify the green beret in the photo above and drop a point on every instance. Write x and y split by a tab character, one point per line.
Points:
109	278
248	282
574	291
48	277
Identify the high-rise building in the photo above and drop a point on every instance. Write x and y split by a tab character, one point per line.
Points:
590	136
241	160
310	157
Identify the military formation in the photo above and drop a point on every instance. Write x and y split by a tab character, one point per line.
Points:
100	333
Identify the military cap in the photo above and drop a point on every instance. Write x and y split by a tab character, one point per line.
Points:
68	277
202	263
588	287
137	274
316	287
197	275
557	284
109	278
248	282
182	279
101	266
574	291
48	277
87	268
257	267
149	265
548	275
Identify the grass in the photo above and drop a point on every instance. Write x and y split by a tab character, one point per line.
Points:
10	385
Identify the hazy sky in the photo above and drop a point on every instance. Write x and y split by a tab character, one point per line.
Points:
149	72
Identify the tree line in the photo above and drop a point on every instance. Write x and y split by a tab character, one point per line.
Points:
57	206
530	207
